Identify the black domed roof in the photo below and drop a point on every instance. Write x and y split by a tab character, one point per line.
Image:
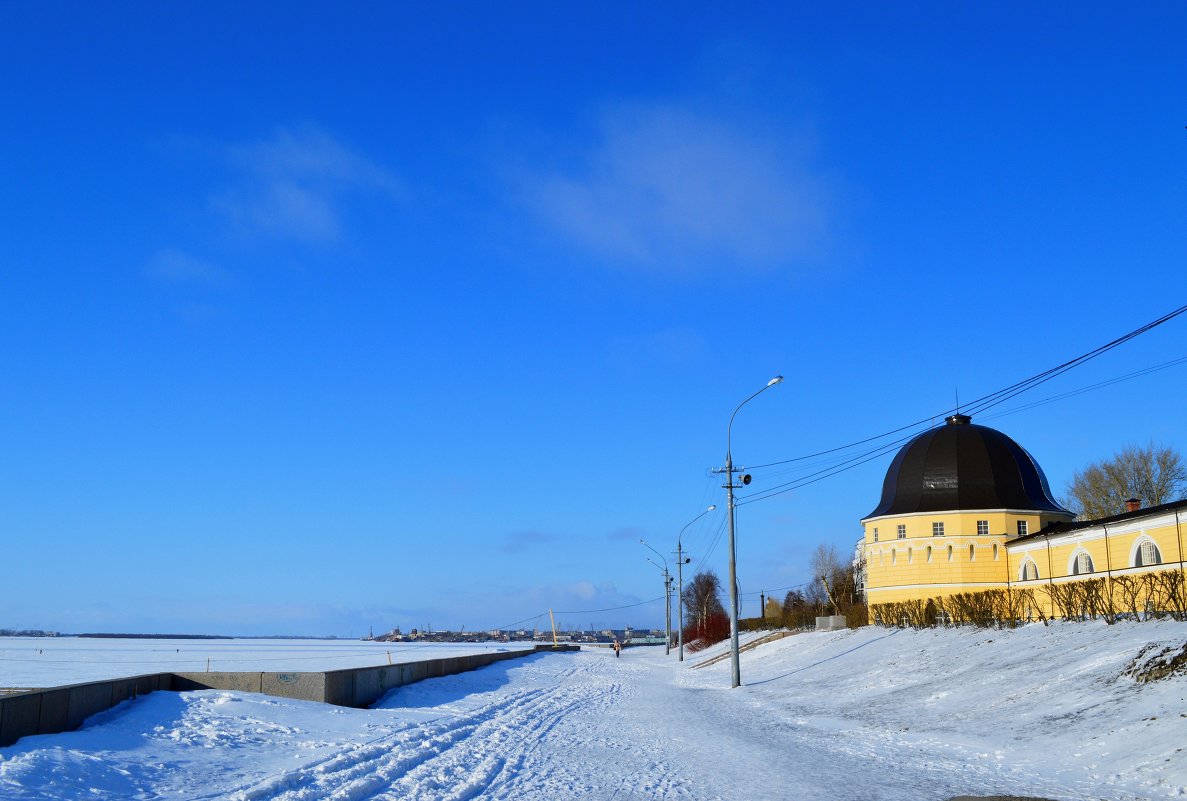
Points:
964	466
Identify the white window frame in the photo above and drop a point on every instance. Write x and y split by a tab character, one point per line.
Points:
1137	558
1074	563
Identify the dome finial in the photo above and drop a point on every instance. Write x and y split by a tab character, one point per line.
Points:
959	420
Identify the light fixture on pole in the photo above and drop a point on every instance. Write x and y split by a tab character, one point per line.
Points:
736	670
681	561
667	599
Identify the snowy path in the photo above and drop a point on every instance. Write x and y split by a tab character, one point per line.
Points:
579	725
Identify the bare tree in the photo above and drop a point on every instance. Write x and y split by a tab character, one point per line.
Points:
1154	474
797	611
702	599
832	580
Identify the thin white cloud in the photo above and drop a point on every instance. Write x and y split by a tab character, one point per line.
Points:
295	185
520	541
626	533
178	267
671	189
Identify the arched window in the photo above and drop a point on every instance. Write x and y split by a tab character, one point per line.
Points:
893	556
929	553
972	552
995	551
949	553
910	555
1082	564
1147	554
1030	571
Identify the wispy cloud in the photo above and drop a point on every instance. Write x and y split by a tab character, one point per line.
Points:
174	266
670	189
520	541
574	598
295	184
626	533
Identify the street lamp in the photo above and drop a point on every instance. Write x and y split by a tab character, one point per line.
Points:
729	496
681	560
667	599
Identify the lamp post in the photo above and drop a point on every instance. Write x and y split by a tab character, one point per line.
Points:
736	670
667	599
681	560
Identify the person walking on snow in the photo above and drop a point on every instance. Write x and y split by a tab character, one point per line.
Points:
617	649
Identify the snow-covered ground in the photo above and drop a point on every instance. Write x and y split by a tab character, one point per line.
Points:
867	714
56	661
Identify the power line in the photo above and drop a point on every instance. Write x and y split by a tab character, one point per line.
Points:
861	459
1091	387
610	608
977	406
1001	395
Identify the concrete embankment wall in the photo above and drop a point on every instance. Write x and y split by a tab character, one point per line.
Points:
62	709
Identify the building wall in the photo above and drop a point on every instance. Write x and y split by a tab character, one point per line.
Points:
1113	549
924	565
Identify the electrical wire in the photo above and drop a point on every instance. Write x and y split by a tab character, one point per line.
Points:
1091	387
1001	395
981	404
610	608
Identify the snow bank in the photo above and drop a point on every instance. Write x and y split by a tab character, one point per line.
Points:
866	714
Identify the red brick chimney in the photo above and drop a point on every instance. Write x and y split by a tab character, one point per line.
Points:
1133	504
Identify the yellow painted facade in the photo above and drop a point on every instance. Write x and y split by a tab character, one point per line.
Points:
1140	543
907	556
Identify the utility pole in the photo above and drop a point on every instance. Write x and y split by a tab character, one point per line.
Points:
735	661
681	561
729	470
667	614
667	597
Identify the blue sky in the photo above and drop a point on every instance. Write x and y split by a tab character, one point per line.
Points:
323	318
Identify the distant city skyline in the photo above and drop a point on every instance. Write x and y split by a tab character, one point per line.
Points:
326	318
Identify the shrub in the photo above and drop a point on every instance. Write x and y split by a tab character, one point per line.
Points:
713	629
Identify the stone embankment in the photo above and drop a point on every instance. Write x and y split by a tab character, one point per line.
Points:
59	709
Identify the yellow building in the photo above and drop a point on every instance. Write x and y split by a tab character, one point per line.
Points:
965	509
1137	554
953	499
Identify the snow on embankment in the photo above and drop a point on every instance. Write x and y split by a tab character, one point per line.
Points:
1060	700
872	714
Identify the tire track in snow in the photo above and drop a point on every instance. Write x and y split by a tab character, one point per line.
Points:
453	757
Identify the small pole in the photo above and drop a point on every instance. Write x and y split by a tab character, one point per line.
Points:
389	657
667	612
555	644
680	560
680	598
207	664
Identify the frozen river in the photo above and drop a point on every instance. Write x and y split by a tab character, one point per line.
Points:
55	661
